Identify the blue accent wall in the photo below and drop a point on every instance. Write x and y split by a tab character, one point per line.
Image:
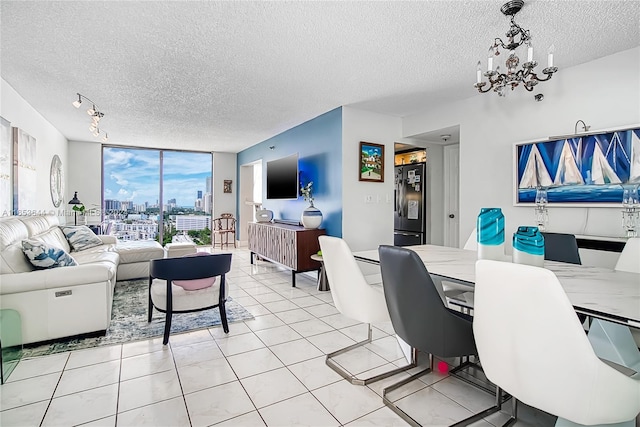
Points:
318	143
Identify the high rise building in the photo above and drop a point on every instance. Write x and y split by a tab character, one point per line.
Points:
208	185
111	205
207	203
192	222
199	194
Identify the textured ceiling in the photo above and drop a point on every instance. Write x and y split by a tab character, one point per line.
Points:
226	75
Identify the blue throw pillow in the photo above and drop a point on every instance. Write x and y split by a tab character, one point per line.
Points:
42	255
81	237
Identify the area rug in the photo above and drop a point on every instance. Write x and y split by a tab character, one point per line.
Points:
129	321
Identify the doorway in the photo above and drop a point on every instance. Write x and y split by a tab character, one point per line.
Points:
442	146
250	196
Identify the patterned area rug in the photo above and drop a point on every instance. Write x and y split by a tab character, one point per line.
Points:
129	321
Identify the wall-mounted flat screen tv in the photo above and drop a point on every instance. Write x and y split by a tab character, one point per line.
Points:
282	178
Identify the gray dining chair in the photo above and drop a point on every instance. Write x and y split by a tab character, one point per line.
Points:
420	317
561	247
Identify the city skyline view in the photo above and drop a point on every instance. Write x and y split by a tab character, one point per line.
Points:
133	175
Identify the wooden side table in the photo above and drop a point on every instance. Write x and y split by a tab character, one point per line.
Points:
323	283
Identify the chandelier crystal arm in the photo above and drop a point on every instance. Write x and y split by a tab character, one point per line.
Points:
513	75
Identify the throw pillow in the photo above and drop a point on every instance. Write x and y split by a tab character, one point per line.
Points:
195	284
81	237
42	255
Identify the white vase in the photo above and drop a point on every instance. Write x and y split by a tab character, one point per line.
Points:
311	217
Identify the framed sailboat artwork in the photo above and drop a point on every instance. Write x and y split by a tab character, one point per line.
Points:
590	169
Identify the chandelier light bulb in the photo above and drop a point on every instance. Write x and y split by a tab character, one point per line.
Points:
490	60
552	49
92	127
105	138
96	132
530	53
91	111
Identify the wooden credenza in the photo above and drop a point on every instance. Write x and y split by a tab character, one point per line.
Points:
288	245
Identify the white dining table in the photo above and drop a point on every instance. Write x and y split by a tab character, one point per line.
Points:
597	292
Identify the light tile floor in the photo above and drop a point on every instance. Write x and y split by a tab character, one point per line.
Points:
266	371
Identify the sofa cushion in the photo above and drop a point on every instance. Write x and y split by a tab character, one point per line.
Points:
139	251
53	237
42	255
12	259
81	237
38	224
91	256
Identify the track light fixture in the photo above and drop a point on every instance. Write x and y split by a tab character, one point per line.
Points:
96	116
78	102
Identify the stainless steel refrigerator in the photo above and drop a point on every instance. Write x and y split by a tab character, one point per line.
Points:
409	207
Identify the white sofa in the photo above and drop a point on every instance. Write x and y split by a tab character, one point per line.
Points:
63	301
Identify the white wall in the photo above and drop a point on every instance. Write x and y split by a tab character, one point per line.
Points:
224	167
604	93
85	176
435	193
367	225
49	141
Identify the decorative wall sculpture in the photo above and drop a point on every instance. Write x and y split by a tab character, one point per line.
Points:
24	172
6	190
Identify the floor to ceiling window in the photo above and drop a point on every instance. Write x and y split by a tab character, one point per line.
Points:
161	195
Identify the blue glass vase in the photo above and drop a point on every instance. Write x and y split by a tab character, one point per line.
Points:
528	246
490	229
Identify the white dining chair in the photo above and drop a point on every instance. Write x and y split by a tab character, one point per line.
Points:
613	341
356	299
545	361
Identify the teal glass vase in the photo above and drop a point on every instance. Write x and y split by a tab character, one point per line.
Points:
490	234
528	246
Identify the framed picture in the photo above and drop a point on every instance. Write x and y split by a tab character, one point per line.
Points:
6	166
24	171
227	185
371	162
583	170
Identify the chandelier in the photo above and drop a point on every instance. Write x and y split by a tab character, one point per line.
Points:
95	114
517	36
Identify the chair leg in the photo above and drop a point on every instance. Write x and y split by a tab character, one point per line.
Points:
389	404
495	408
363	381
150	309
1	365
223	318
169	313
167	327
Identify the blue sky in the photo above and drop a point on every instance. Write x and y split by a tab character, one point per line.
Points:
133	174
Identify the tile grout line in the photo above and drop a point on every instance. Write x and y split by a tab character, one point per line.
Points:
53	393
